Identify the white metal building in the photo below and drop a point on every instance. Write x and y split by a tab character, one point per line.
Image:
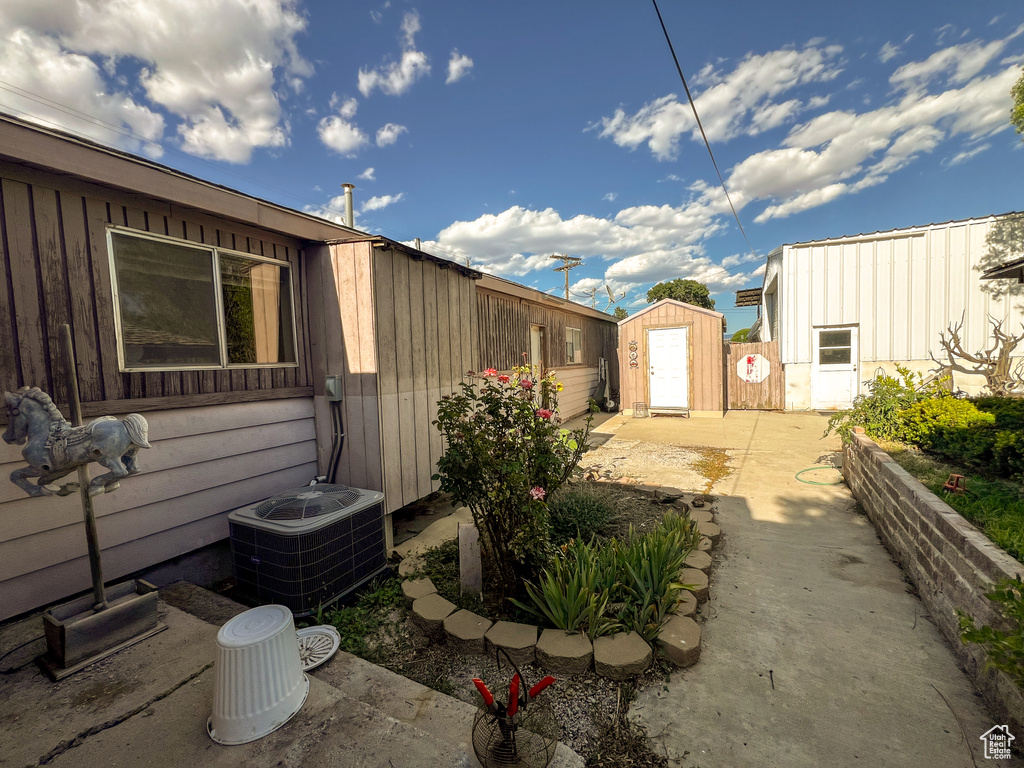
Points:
843	308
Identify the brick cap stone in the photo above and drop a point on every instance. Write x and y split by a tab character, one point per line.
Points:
518	640
414	589
680	641
622	656
710	530
687	605
429	613
701	561
564	653
466	631
698	579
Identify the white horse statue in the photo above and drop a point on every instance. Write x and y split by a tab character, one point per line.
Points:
55	448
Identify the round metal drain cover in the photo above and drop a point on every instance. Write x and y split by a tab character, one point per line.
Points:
317	645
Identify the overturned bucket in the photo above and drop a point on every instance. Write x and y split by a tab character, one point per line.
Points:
259	684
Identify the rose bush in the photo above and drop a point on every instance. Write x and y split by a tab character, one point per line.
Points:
505	454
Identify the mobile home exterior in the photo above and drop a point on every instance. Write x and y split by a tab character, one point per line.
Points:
220	318
843	309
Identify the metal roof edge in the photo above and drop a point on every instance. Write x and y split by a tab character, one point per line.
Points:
902	231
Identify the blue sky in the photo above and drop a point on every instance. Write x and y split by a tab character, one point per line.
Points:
504	132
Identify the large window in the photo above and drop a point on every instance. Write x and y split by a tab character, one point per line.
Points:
573	345
181	305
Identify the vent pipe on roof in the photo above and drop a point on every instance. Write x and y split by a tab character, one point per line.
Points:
348	203
417	241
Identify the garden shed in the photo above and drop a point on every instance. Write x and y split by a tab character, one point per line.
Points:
671	360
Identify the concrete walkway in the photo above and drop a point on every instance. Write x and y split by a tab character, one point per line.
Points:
816	652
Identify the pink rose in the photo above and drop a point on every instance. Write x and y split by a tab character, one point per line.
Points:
526	384
489	373
503	379
544	413
538	493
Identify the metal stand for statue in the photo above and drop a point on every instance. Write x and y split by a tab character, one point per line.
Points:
83	631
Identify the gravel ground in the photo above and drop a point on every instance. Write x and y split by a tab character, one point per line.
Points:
672	465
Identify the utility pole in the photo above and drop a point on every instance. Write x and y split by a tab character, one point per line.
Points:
568	262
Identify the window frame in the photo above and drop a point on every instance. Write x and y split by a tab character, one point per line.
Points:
218	289
568	330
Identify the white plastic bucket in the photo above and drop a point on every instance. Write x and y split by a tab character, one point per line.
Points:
259	684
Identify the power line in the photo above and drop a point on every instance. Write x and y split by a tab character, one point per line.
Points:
700	125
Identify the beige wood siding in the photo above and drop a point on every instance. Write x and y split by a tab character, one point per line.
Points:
426	318
705	355
504	335
53	253
204	462
579	383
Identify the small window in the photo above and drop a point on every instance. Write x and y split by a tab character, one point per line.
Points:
181	305
573	346
834	347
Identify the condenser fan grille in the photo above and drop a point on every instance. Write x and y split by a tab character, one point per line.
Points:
307	502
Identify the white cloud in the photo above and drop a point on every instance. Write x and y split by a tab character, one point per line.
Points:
332	210
381	201
225	93
888	51
459	66
396	78
967	154
340	134
388	134
959	62
610	197
367	175
739	102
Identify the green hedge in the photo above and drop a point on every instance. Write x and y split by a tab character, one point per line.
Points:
986	432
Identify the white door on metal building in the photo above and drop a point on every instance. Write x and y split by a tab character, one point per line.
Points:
834	381
667	357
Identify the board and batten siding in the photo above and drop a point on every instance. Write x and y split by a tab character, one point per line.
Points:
426	320
505	321
705	354
901	288
53	254
204	462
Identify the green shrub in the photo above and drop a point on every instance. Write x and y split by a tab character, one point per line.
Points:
504	454
1008	452
639	576
923	419
879	412
1005	649
578	513
1009	411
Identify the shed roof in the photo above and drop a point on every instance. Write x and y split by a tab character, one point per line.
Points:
501	285
904	230
681	304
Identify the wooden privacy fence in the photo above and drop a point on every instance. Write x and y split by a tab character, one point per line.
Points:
753	375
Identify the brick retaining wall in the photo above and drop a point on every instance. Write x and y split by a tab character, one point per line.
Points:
951	562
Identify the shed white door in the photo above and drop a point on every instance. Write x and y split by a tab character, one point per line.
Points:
667	355
834	381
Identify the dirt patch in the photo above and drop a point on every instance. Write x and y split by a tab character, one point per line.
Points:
691	468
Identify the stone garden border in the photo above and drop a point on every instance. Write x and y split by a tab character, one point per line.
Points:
951	562
617	657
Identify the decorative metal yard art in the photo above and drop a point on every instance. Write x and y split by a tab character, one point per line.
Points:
89	628
518	732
